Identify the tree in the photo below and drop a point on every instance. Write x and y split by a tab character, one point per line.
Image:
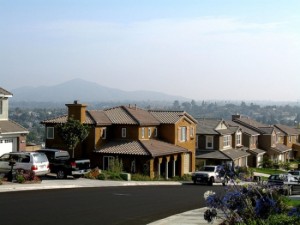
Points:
72	132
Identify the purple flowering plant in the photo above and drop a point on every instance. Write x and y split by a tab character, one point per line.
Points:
250	204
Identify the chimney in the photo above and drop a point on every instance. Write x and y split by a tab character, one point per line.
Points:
77	111
236	116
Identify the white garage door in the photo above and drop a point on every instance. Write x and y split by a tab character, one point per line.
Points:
6	145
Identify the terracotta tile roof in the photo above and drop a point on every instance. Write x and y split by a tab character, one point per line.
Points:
63	119
5	92
160	148
119	115
123	148
286	129
99	117
150	147
142	116
9	126
170	117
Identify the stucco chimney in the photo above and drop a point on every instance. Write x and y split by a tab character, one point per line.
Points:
77	111
236	116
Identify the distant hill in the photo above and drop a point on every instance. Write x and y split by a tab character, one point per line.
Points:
86	91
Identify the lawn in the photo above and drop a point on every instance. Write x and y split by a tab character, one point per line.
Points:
268	171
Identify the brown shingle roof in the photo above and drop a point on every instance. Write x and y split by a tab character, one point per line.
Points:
118	115
281	148
235	153
286	129
143	117
5	92
211	154
9	126
100	117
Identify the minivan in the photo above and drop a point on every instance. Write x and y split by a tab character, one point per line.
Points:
35	161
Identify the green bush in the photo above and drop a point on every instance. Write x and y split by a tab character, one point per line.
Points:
140	177
20	178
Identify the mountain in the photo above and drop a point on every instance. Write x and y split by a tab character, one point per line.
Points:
86	91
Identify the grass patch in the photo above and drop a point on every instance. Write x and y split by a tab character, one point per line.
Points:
268	171
291	202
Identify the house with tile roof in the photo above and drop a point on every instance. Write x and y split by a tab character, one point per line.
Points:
268	139
152	142
219	144
250	144
12	134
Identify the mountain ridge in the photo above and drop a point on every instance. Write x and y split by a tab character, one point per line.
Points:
79	89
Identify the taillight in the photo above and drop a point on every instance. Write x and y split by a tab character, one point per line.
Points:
73	164
34	167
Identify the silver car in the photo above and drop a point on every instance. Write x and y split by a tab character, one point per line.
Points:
34	161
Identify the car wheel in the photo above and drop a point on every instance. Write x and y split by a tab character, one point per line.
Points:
61	174
211	181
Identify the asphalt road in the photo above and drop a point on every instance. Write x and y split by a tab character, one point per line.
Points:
105	205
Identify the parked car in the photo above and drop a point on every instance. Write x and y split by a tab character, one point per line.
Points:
63	165
288	184
34	161
210	174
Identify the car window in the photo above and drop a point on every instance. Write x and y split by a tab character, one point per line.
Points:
39	157
209	169
24	158
5	157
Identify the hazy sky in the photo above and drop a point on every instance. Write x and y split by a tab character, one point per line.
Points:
200	49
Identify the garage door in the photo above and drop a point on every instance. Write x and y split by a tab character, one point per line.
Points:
187	160
6	145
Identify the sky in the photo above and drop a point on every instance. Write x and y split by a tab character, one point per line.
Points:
199	49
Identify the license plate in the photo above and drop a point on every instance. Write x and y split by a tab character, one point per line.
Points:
199	178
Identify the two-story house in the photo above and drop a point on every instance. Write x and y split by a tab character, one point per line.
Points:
12	135
217	143
267	139
155	143
250	143
289	136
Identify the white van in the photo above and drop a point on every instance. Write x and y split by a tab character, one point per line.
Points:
34	161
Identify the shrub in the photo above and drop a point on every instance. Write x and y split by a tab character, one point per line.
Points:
140	177
251	205
93	174
23	176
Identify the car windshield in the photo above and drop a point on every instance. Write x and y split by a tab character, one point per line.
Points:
209	169
294	172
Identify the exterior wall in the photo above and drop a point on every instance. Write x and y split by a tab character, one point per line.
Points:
246	140
164	133
146	133
22	143
132	132
264	141
4	114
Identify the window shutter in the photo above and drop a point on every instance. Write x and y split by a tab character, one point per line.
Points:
187	134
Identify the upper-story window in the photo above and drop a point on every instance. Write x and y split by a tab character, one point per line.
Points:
103	133
183	134
192	131
290	138
238	138
123	132
143	132
209	142
149	132
226	141
155	132
50	132
1	107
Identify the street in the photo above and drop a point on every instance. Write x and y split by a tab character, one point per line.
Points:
102	205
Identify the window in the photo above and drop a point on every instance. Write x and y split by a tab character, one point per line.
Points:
183	136
143	132
209	142
238	138
290	138
123	132
1	107
192	131
108	162
149	132
103	133
226	141
155	132
50	132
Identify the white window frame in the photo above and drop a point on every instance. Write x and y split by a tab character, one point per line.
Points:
104	133
226	141
149	132
124	133
238	140
191	131
50	130
209	141
143	132
183	134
